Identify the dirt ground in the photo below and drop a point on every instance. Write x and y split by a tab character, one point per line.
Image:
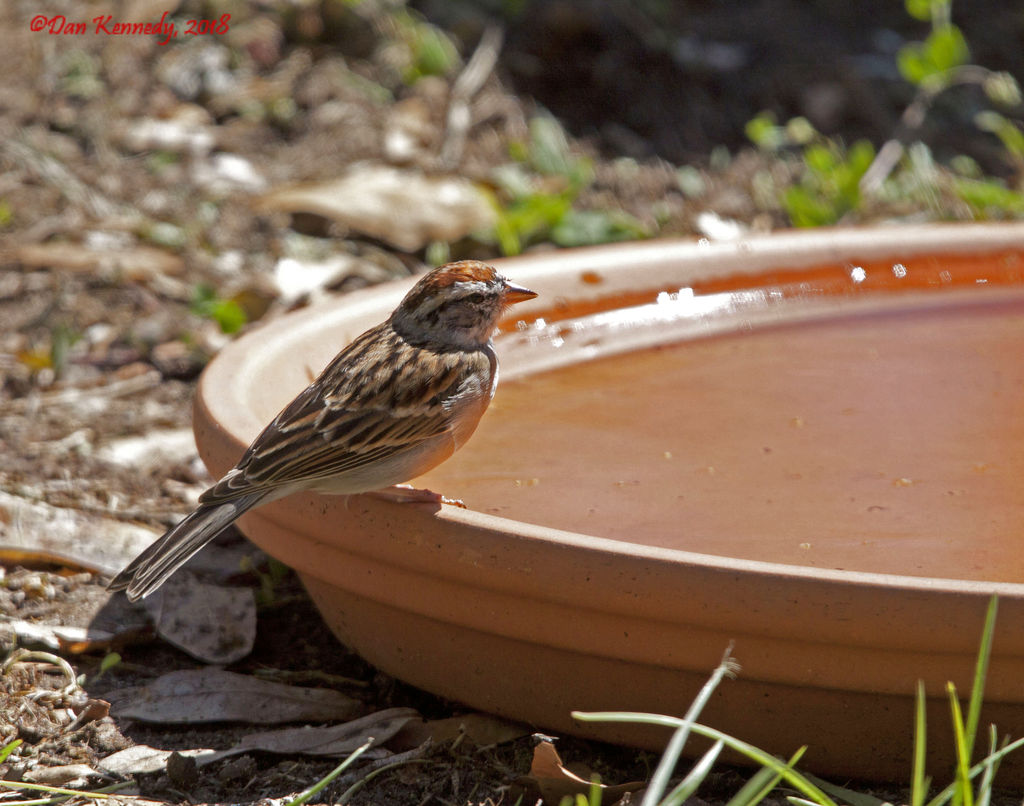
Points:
127	249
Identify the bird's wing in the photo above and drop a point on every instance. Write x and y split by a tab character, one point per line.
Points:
363	409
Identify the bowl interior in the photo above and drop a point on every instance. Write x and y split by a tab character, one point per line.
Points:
862	418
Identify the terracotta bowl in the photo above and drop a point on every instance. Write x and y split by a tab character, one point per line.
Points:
808	444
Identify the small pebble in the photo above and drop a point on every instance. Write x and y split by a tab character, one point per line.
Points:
182	770
243	767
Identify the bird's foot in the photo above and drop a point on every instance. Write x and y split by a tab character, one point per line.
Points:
405	494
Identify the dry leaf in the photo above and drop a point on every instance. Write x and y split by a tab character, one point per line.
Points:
483	729
405	208
97	622
133	263
409	132
90	711
213	695
186	133
333	740
223	173
336	740
156	448
30	529
73	775
553	781
143	759
130	379
295	277
210	622
55	637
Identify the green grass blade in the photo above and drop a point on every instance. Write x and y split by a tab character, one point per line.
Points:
694	778
947	794
980	673
963	758
755	789
761	783
848	797
53	790
9	748
102	792
670	758
315	790
918	781
984	794
38	802
755	754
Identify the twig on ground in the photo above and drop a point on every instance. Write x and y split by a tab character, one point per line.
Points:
67	397
468	83
910	121
375	768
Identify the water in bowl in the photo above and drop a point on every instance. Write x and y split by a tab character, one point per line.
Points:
881	436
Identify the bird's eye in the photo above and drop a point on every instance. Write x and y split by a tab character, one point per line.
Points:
474	299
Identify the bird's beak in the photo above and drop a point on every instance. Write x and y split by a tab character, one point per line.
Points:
516	293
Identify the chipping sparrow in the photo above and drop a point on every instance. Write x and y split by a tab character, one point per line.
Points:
397	401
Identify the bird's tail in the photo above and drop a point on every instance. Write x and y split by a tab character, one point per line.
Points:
152	567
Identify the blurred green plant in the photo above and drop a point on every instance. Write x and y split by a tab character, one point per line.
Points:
51	355
270	580
81	74
830	186
438	253
164	233
833	180
829	183
592	798
942	60
537	192
429	50
1008	132
988	198
932	61
935	65
160	160
62	338
110	660
589	227
548	153
227	313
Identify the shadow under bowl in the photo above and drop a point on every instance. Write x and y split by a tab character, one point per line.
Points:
805	444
